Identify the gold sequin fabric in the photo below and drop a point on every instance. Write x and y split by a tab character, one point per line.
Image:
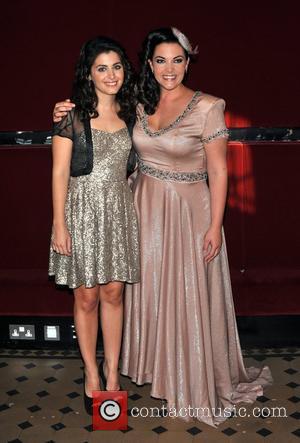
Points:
101	219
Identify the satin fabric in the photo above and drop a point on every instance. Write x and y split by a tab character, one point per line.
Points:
180	331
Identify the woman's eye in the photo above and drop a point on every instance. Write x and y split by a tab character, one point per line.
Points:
118	66
178	60
159	60
101	69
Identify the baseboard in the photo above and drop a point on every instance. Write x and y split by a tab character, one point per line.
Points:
255	331
269	330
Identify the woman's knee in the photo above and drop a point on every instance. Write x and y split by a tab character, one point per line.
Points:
112	293
86	300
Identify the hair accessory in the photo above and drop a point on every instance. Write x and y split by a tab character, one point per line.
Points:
184	41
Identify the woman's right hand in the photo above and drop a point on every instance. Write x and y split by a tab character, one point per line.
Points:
61	109
61	240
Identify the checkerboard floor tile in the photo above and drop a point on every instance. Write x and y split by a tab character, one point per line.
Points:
41	401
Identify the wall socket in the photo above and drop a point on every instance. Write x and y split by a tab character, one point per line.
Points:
22	332
51	333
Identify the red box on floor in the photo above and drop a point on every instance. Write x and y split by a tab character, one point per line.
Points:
110	410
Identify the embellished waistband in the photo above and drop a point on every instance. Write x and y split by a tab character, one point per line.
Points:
162	174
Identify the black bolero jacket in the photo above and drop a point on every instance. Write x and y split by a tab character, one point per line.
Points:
82	154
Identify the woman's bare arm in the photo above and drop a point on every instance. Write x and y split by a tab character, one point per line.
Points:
61	153
216	152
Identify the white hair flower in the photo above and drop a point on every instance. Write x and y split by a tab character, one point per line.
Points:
184	41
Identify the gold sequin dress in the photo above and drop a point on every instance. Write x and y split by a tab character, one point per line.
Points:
101	219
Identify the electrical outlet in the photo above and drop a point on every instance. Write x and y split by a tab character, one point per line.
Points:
51	333
22	332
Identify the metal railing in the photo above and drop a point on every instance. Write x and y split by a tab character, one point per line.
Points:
236	134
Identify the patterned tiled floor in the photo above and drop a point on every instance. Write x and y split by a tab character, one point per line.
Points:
41	401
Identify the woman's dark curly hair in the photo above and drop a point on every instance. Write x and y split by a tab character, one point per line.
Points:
83	92
149	91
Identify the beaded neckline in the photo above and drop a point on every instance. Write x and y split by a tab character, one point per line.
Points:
189	107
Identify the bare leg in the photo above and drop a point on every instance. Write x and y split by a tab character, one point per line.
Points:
111	297
86	325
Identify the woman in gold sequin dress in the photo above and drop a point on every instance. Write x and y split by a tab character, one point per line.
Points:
94	247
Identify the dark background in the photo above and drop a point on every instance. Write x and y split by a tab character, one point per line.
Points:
248	56
248	53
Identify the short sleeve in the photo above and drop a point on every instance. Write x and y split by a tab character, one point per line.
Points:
64	128
215	126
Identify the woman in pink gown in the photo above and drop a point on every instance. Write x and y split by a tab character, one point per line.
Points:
180	331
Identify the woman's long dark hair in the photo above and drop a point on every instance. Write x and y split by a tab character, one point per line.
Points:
149	92
83	92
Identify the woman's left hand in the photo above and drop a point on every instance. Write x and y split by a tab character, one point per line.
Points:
212	243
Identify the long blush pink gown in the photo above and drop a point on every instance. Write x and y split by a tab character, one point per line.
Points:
180	331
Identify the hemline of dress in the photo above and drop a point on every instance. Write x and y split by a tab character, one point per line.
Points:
93	284
248	397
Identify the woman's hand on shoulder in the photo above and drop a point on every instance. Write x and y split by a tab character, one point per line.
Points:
61	109
61	240
212	243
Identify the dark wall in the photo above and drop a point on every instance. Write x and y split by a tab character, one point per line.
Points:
260	221
248	56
